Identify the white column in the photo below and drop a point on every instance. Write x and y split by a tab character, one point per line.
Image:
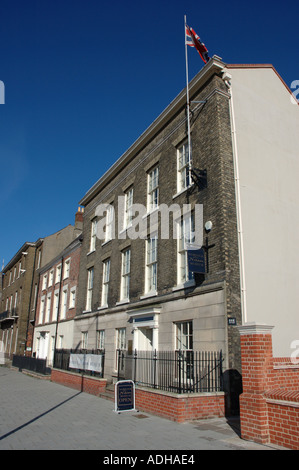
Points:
135	338
155	338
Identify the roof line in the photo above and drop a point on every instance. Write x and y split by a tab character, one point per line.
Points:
260	66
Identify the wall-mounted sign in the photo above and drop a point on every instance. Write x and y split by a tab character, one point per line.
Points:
124	396
196	261
232	321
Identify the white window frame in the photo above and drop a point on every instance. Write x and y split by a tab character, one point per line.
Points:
66	268
101	340
120	343
42	309
45	281
151	264
64	303
184	336
183	167
186	235
128	207
48	308
90	279
109	226
125	275
72	300
84	339
105	282
153	189
93	235
51	278
55	306
58	273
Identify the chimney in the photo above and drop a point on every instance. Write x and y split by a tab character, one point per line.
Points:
79	220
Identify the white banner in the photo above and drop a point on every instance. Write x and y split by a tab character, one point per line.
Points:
86	362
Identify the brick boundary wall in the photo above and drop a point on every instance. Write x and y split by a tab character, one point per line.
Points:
175	407
269	404
84	383
180	407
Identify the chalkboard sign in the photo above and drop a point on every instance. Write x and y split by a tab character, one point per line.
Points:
124	396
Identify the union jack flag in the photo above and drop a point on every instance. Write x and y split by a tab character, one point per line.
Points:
193	40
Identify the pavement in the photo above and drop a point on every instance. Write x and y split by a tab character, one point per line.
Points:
38	414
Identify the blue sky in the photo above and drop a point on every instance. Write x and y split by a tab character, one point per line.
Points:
84	78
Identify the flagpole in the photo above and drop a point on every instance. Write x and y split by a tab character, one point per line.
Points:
187	94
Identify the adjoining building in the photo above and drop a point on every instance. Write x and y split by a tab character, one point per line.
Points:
20	278
137	293
56	303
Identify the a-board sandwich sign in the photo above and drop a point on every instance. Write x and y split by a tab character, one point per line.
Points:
124	396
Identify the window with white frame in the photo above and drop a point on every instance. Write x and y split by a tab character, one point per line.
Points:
109	226
125	275
84	339
60	342
183	167
93	234
151	264
105	282
90	275
63	304
153	189
58	274
39	259
120	345
51	278
66	270
55	306
184	336
186	236
48	308
128	207
16	300
101	339
45	279
42	310
72	297
20	267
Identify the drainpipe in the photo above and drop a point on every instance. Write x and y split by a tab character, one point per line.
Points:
58	309
29	307
227	79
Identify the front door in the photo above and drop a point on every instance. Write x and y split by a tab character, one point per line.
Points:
43	345
145	340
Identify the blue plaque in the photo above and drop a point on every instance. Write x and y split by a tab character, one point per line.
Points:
196	261
124	396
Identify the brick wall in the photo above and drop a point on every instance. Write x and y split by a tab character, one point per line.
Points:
181	408
84	383
269	404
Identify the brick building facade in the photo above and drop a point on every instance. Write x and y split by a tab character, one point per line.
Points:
136	292
56	302
148	300
20	278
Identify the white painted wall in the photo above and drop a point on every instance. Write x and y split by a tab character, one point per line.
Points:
267	136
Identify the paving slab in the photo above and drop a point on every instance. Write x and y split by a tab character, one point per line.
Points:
41	415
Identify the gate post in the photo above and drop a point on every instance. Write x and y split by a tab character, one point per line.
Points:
257	361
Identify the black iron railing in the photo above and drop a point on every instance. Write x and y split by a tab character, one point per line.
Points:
89	361
173	371
32	364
